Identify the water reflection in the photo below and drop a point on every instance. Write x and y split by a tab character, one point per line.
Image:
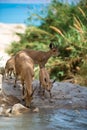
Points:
47	120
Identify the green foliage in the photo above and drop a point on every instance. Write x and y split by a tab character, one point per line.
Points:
59	15
34	38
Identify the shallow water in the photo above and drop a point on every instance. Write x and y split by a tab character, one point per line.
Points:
61	119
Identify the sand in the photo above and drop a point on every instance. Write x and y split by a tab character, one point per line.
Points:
7	36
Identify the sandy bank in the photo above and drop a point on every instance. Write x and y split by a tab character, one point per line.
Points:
7	36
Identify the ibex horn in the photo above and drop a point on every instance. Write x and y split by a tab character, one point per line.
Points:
54	80
33	91
23	97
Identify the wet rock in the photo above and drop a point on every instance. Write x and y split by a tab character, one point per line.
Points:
12	99
1	111
18	109
8	100
8	112
36	109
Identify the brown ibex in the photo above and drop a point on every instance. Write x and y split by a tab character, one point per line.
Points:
45	81
41	57
9	67
24	68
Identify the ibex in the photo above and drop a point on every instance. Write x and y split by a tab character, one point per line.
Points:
24	68
9	67
41	57
45	81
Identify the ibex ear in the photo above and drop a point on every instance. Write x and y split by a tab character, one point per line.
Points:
51	45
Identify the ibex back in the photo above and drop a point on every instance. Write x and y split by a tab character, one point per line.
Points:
41	57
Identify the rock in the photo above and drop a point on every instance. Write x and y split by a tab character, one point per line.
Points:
8	112
36	109
5	111
1	79
1	111
70	102
10	99
2	105
18	109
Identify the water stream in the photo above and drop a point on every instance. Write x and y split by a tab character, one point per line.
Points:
61	119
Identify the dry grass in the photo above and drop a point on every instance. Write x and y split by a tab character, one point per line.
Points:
80	80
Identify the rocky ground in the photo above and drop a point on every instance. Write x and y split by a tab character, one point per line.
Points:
64	95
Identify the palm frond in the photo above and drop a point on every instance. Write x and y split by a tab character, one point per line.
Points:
82	12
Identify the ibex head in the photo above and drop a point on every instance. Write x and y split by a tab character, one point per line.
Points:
28	98
54	49
49	84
